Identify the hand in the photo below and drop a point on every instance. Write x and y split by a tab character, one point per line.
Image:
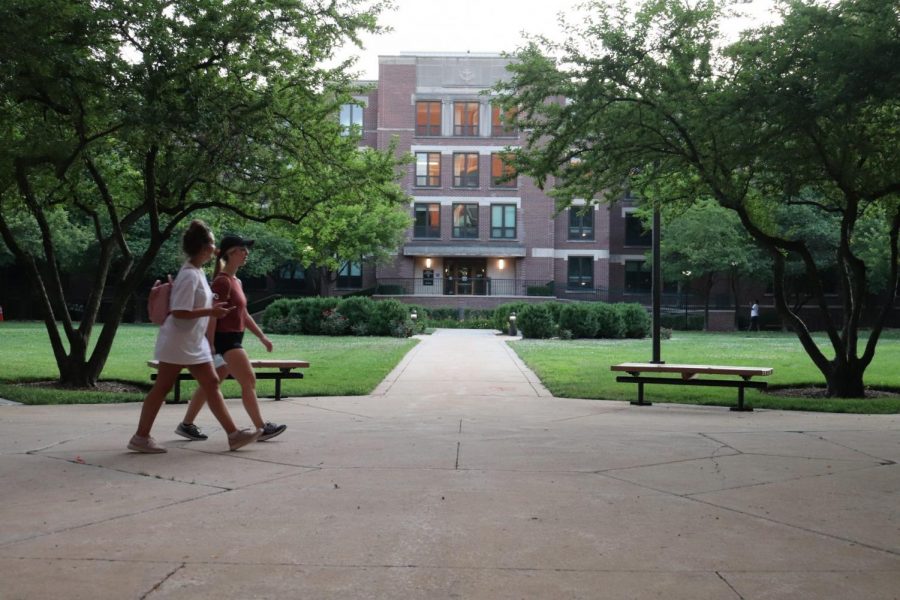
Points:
267	343
219	310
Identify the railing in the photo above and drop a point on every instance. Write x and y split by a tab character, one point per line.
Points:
461	286
481	286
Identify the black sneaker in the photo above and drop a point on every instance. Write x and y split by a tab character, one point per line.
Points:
191	432
271	430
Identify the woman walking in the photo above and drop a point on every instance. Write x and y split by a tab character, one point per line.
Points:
182	343
228	339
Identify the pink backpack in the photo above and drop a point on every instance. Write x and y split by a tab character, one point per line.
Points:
158	302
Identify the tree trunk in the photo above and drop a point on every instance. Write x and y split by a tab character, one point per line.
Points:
846	381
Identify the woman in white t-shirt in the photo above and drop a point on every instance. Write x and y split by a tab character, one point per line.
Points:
182	343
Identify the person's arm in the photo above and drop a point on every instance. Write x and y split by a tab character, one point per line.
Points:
252	326
218	311
183	297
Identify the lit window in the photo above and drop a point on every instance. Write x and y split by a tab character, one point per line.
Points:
502	173
427	221
465	220
465	118
428	169
465	169
428	118
503	125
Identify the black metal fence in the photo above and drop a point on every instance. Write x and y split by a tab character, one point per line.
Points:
481	286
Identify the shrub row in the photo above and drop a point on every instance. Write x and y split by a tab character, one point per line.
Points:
575	320
354	315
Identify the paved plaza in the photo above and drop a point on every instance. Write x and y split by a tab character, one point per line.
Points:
459	477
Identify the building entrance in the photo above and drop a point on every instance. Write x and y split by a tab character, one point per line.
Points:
466	277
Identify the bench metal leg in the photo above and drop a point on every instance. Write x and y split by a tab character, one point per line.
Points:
640	400
740	405
278	389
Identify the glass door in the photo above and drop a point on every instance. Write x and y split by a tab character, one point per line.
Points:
465	276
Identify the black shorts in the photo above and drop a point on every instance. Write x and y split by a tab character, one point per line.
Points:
227	340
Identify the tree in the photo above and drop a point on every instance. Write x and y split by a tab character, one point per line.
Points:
804	113
139	113
364	231
709	242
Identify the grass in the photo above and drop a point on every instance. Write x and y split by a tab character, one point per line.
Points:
580	369
339	366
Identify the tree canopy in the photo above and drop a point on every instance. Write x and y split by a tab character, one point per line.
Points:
802	114
131	114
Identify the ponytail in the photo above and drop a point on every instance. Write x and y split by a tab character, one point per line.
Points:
218	266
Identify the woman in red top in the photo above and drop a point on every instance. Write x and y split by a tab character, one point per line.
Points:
226	336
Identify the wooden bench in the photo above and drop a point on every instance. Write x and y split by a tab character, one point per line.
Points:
689	376
284	369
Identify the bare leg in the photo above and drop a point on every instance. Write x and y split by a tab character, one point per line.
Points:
165	378
209	383
198	399
239	365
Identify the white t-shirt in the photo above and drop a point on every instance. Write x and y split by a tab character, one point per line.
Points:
754	310
183	341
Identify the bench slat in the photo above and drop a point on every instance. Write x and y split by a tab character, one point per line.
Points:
689	371
260	364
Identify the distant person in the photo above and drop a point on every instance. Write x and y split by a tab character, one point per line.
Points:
227	341
754	316
182	343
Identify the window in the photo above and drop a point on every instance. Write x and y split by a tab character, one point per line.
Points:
428	118
500	169
581	273
428	169
635	235
350	275
465	220
351	119
638	279
502	125
503	221
427	221
465	118
581	223
465	169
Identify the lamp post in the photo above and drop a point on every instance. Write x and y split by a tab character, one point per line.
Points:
656	289
512	324
684	296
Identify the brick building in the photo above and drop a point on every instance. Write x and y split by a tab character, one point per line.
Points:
480	238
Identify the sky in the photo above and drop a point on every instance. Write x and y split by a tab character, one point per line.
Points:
475	26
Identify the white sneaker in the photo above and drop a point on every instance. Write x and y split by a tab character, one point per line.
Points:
242	437
145	445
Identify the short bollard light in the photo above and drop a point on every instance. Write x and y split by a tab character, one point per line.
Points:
413	316
512	324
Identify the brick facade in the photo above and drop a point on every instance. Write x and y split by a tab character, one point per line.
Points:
536	255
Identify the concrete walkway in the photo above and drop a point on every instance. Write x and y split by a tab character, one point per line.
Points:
460	477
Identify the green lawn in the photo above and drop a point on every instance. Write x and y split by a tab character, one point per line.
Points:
339	366
580	369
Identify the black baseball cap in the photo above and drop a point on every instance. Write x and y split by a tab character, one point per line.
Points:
233	241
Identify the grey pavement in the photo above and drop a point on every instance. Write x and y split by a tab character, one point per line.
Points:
459	477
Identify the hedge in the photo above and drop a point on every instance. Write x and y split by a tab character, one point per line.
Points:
356	315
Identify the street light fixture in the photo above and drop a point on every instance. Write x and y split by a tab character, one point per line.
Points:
512	324
684	296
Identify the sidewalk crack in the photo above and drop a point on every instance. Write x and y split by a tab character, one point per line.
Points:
163	580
